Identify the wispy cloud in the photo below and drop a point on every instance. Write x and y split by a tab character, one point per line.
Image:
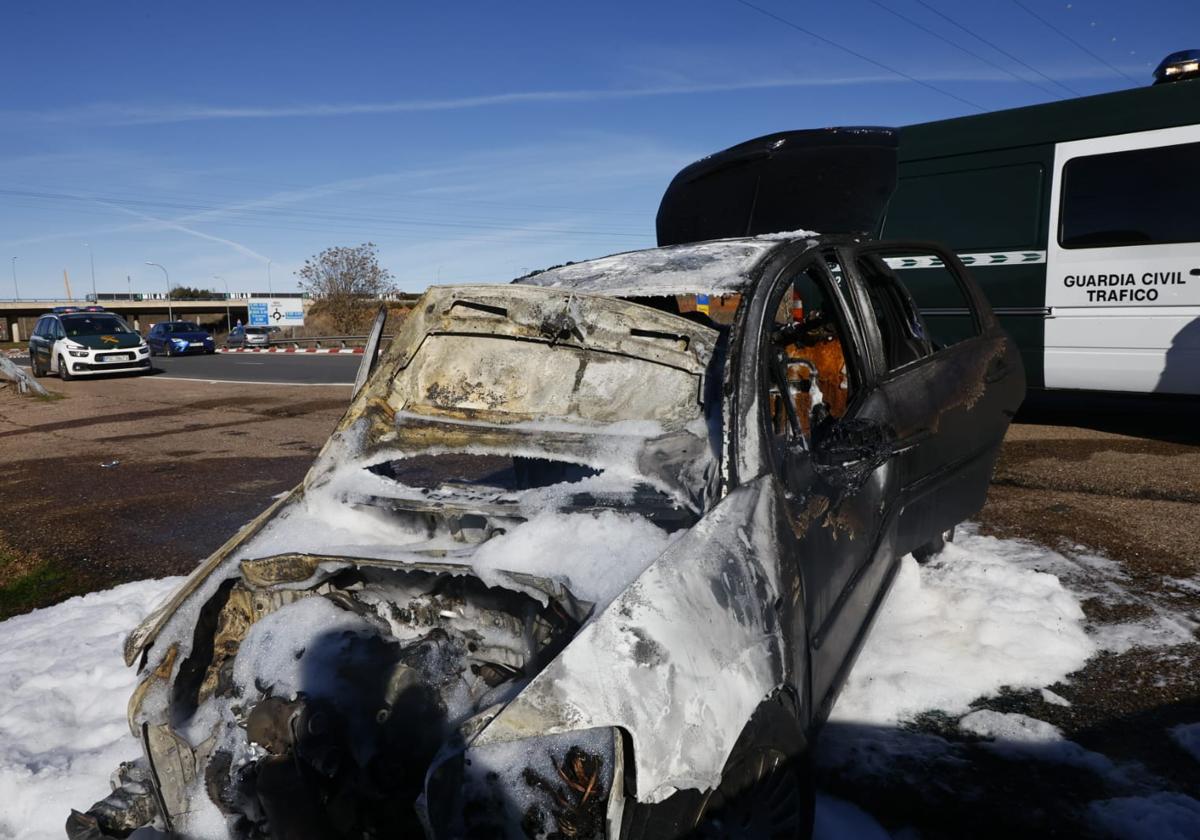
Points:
169	224
114	113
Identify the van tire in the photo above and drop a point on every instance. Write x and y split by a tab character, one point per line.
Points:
64	373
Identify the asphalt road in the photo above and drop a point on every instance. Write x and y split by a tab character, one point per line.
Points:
274	368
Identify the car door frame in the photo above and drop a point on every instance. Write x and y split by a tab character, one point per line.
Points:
944	475
748	455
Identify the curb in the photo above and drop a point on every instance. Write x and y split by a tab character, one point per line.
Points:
347	350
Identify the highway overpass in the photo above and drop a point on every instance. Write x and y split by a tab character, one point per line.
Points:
17	317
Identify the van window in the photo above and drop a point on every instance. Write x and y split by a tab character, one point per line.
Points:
979	209
1137	197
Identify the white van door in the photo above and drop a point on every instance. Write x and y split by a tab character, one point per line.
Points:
1123	263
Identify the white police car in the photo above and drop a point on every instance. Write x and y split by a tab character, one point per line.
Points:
74	342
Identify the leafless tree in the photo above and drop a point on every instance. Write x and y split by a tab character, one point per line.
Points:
345	283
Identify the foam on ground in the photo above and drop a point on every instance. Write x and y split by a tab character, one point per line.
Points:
63	693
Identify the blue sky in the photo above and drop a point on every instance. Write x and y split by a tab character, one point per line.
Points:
471	142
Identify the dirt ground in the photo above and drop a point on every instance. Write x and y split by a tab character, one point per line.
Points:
123	479
1118	477
127	479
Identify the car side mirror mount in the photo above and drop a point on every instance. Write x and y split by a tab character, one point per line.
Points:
846	452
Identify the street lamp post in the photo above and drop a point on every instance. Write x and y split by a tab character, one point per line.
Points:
92	260
16	288
228	320
270	291
170	312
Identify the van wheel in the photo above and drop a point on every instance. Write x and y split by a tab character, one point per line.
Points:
64	372
34	367
934	547
767	791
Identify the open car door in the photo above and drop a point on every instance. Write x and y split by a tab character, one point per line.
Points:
952	378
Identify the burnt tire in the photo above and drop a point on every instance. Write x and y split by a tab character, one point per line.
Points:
766	791
933	548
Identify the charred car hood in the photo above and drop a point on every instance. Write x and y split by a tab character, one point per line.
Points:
408	408
520	459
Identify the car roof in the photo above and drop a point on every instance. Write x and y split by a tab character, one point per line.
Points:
718	266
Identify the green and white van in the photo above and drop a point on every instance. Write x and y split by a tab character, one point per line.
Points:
1080	220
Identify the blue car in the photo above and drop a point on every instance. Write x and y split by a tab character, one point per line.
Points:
175	338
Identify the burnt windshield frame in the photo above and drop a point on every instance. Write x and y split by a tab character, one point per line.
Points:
507	473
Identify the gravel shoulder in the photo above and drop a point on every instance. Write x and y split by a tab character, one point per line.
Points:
123	478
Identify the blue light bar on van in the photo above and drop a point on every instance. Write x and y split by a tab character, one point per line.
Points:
1178	66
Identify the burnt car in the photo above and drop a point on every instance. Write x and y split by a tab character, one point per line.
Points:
580	560
590	554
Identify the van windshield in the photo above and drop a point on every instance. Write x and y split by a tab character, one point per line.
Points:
76	325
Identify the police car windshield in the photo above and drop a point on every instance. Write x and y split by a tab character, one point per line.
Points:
93	325
181	326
